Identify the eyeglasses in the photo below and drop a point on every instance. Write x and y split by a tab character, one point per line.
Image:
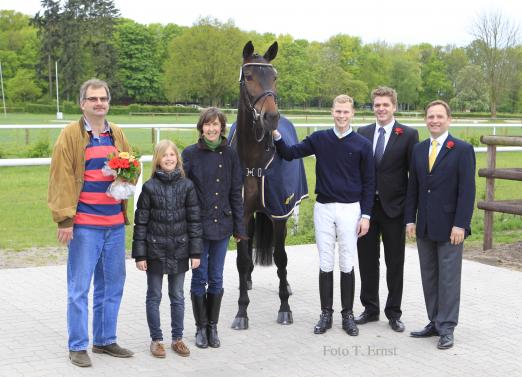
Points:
95	99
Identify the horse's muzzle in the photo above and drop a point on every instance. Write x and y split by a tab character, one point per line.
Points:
269	120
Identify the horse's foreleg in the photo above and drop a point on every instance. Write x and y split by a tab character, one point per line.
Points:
243	263
281	260
251	227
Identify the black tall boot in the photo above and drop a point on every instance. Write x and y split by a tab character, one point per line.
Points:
347	294
199	307
326	295
213	307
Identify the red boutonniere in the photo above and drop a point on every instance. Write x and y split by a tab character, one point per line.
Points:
398	131
450	144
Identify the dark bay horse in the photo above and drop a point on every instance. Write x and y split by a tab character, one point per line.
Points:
257	117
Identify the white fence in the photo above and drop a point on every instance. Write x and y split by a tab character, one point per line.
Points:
157	127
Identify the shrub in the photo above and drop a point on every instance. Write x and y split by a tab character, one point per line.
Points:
40	149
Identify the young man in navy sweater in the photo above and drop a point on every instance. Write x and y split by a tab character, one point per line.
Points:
345	188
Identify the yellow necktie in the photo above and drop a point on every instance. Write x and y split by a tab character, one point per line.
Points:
433	154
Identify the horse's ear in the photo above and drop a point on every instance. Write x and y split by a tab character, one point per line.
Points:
271	52
248	50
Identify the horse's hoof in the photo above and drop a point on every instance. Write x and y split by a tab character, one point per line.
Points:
249	285
285	318
289	290
240	323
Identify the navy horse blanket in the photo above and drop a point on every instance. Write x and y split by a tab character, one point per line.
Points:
283	183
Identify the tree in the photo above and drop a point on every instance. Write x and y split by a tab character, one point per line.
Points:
203	63
512	98
435	81
138	69
471	93
375	66
79	35
405	76
495	35
293	83
22	87
455	59
49	33
18	43
333	65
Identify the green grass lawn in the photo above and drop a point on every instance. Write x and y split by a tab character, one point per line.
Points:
26	221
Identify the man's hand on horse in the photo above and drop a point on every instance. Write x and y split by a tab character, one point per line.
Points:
276	134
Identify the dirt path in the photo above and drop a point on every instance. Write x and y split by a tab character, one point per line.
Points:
507	256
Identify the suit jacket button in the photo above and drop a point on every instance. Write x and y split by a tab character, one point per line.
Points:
429	191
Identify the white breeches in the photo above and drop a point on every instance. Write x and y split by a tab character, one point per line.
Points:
336	222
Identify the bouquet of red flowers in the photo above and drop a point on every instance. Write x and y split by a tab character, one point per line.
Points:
126	169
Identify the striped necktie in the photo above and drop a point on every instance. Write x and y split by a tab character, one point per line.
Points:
433	154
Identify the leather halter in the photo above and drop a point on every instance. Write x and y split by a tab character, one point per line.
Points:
251	102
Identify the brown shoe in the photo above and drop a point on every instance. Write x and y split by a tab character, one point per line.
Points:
113	349
180	348
80	358
157	349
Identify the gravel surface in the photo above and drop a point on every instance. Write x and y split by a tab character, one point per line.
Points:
507	255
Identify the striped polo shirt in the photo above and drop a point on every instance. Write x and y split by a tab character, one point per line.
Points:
95	208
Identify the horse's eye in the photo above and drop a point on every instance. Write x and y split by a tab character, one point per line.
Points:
249	77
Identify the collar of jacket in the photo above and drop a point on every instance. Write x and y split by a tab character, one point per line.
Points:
203	145
168	176
86	134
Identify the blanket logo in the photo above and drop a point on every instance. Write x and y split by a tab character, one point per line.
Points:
289	199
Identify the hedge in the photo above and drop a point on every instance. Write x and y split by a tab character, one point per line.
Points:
73	108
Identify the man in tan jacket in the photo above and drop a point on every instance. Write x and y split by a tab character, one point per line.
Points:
90	223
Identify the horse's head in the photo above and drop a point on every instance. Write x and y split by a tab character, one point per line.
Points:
258	88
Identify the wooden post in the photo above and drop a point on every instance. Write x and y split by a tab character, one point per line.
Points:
490	196
153	136
27	136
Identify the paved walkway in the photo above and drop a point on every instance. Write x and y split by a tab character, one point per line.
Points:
488	339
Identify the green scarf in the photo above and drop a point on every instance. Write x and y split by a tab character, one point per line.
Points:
212	145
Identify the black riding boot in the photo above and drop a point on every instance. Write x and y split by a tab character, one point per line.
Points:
326	295
347	294
213	307
199	307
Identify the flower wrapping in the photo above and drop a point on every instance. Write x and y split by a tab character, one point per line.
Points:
125	168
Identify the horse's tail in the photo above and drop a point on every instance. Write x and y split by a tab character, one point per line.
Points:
263	238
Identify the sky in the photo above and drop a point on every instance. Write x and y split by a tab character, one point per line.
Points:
439	22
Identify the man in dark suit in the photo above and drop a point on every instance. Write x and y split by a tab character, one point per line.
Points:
392	145
440	200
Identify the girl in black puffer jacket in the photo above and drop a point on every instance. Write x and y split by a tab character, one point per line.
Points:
167	232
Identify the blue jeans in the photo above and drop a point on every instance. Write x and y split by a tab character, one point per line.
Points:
99	253
210	269
177	304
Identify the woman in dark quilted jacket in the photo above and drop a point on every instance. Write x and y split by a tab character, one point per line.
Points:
167	233
216	172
